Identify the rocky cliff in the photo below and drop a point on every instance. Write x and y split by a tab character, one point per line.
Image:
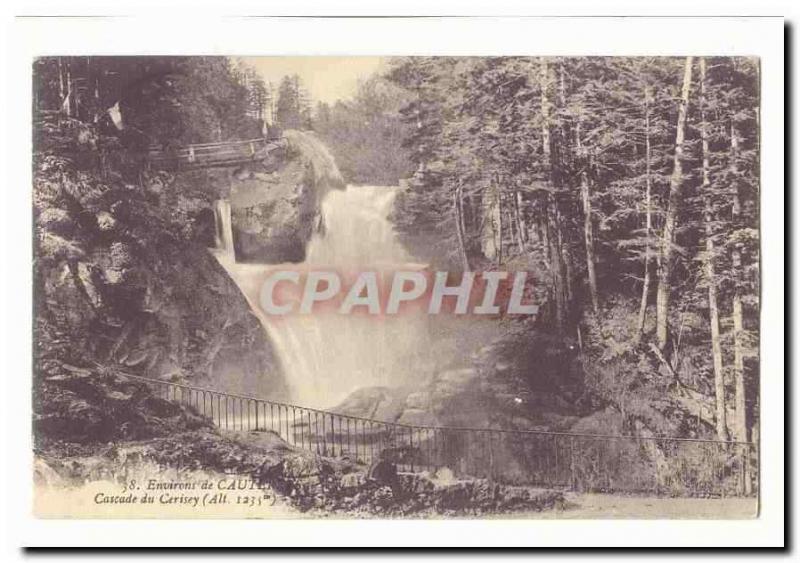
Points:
275	207
124	280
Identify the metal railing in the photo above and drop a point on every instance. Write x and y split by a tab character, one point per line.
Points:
575	461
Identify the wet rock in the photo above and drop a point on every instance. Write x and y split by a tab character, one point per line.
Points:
443	476
124	279
378	403
85	273
419	400
56	220
457	377
275	215
383	472
383	497
416	483
105	221
417	417
349	482
118	397
58	247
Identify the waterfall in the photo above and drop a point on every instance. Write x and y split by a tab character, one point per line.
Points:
327	356
224	232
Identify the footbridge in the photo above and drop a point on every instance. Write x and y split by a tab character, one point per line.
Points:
213	155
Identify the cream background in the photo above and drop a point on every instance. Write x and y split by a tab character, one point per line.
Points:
327	79
184	35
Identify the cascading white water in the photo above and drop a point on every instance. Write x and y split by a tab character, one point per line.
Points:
224	233
331	355
357	232
327	356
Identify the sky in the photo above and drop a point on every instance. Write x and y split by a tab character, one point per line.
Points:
326	79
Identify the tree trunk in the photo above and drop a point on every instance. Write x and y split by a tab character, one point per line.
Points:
671	219
588	233
61	87
563	254
458	208
648	213
713	310
491	221
516	233
514	221
553	235
740	420
66	91
518	208
499	215
557	272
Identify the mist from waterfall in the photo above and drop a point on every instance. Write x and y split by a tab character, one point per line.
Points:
327	356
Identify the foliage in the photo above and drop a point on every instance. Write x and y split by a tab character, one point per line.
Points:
293	106
366	134
165	100
547	162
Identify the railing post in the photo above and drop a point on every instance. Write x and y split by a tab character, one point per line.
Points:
490	451
657	470
333	436
474	452
722	470
294	427
368	438
411	446
748	477
348	437
341	450
316	430
364	440
309	432
742	457
302	431
572	478
286	414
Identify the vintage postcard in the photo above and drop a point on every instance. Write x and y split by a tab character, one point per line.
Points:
424	287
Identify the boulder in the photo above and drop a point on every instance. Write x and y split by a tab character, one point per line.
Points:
274	215
458	377
377	403
417	417
419	400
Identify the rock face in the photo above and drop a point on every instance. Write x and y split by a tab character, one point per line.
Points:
514	381
87	406
275	211
123	280
313	484
378	403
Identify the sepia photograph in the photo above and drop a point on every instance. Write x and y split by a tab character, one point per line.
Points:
403	287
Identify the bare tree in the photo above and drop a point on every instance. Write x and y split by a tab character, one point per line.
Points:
648	206
588	233
671	219
711	278
740	419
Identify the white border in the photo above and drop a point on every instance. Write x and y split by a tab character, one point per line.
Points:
258	36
